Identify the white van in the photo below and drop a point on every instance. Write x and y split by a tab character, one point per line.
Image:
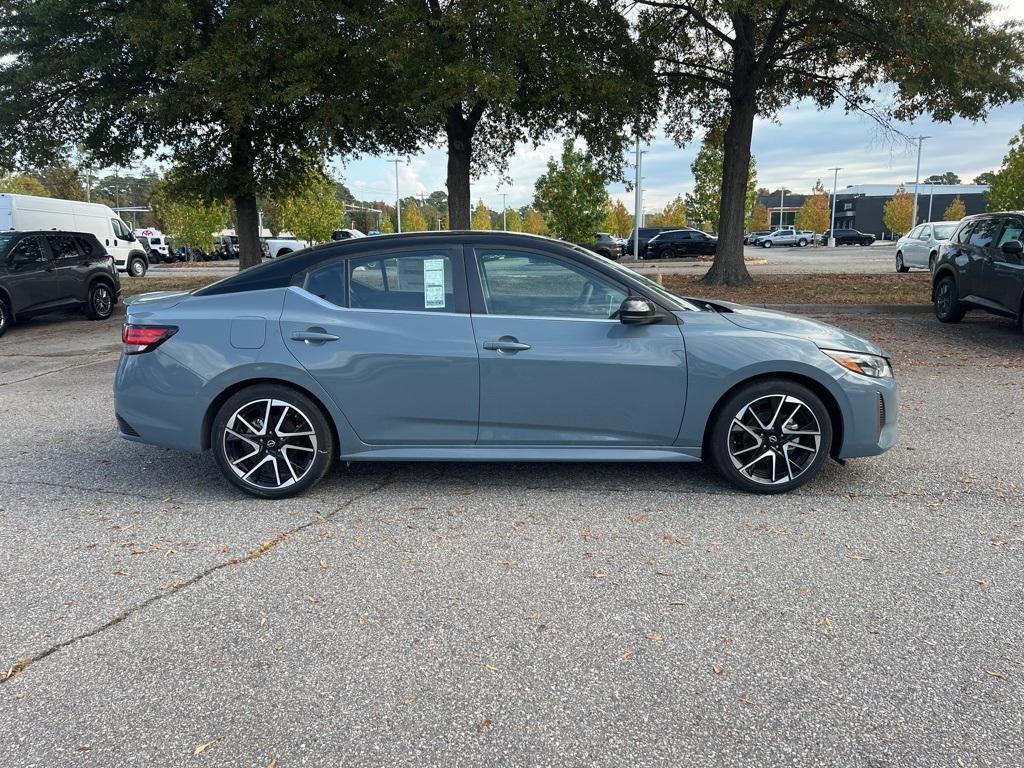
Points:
27	212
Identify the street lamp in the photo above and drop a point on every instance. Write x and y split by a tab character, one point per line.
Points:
917	177
398	198
638	202
832	224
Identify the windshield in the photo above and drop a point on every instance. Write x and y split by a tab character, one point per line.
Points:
944	231
676	301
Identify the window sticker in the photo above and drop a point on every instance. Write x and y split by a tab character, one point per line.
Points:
433	283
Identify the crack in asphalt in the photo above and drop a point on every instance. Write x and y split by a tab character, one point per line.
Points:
49	373
24	662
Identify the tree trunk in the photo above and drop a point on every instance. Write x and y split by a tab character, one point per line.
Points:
250	251
460	148
728	267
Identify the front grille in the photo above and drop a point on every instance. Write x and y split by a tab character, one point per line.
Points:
125	427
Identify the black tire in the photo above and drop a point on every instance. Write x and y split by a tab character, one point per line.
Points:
724	439
900	266
801	243
137	266
5	317
948	307
99	304
304	411
666	253
931	263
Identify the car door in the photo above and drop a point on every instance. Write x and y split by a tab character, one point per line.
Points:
68	264
701	244
978	252
1004	278
911	246
389	336
681	242
556	366
31	277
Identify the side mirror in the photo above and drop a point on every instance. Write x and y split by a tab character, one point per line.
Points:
1013	248
637	310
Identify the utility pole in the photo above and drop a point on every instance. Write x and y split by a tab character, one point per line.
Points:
782	206
638	204
832	223
917	178
398	199
931	196
504	208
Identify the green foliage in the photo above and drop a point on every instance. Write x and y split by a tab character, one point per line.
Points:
513	221
986	177
672	215
898	212
571	196
943	178
760	218
955	211
23	184
704	204
313	211
481	217
534	222
412	219
618	220
387	224
815	214
189	220
62	182
1007	190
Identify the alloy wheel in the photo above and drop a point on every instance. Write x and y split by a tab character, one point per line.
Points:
944	298
102	302
774	439
269	444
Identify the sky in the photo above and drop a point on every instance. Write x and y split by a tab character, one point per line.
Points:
794	150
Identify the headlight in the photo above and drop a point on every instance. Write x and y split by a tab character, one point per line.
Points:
867	365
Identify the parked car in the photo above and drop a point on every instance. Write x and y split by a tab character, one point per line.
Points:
752	237
848	237
681	242
282	246
226	248
346	234
981	266
469	346
606	245
786	236
920	246
646	233
45	271
27	213
158	245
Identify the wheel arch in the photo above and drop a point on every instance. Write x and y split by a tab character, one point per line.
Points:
940	272
227	392
835	413
5	297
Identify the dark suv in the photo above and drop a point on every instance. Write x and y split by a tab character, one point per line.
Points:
646	234
47	271
681	242
981	266
848	237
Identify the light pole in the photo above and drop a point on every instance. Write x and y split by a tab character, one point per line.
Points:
931	196
917	177
504	208
638	203
398	199
782	205
832	223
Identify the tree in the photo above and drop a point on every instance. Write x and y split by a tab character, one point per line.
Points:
956	210
534	222
412	219
486	76
481	217
760	218
1007	186
190	221
815	214
672	215
62	181
247	97
618	220
571	196
943	178
513	221
387	226
732	60
23	184
898	212
704	204
987	177
313	211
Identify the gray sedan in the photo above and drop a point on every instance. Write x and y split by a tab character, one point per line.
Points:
489	346
920	246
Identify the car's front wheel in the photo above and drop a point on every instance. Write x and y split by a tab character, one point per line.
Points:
770	436
801	243
272	441
948	308
900	266
5	317
766	244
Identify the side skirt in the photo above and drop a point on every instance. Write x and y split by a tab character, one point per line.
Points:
523	453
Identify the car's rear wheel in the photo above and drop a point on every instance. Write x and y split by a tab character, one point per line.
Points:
770	436
272	441
5	317
948	308
100	303
766	243
666	253
137	266
900	266
931	263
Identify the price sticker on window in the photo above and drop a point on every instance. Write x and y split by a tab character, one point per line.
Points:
433	283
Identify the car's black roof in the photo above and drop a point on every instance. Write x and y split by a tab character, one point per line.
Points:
47	232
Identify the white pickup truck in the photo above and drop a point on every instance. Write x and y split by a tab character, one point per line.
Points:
282	246
786	236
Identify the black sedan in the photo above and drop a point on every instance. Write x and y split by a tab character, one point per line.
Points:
848	237
681	242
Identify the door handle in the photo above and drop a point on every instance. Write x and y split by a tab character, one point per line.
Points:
314	337
506	346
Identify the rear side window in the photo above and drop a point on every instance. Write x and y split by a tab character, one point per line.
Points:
415	282
1013	231
63	247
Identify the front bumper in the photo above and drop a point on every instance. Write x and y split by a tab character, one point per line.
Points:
874	415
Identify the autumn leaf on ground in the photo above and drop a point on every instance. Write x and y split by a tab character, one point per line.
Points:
534	616
655	638
313	599
985	583
717	669
490	668
803	591
627	655
485	725
995	673
745	699
203	747
272	763
860	556
600	575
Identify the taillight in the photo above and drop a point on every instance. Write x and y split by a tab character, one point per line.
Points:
143	338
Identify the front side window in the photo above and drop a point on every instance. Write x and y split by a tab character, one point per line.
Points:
63	247
533	285
28	251
984	232
925	233
420	282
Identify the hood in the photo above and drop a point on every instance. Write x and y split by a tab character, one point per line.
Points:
824	335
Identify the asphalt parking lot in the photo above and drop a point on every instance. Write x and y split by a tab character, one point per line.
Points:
514	615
